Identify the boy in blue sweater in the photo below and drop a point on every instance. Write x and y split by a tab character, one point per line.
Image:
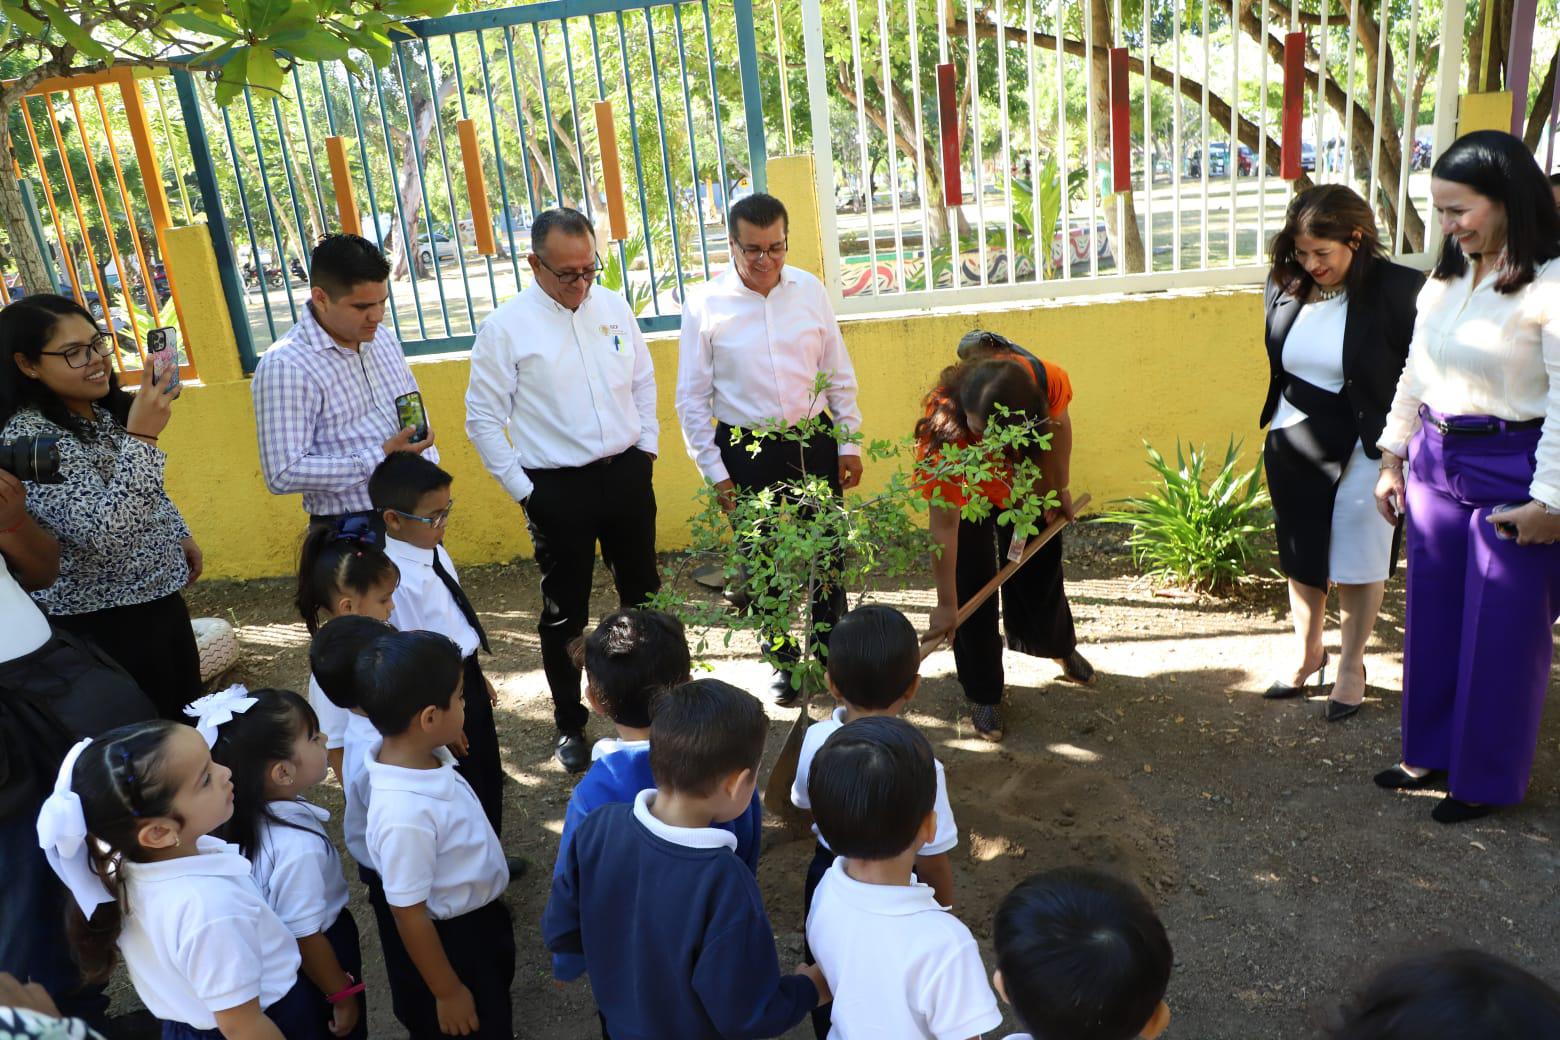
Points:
670	922
632	658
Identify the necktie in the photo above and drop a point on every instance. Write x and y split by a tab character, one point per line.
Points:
466	609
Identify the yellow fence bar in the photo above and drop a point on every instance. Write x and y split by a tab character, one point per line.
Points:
341	178
611	171
476	188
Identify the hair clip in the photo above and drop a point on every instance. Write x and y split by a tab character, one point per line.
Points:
215	710
357	529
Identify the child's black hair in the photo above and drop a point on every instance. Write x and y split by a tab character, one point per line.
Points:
402	479
334	654
119	780
874	655
402	673
702	732
1083	956
1457	995
334	560
248	744
872	785
633	657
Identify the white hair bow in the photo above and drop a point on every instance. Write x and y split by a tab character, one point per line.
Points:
214	710
62	834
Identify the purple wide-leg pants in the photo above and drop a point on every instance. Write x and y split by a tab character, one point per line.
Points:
1481	610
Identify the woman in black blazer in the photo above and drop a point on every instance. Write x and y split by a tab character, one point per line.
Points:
1339	320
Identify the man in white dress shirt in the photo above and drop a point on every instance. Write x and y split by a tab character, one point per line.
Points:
754	339
561	409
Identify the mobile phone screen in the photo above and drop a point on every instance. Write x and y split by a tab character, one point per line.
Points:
162	347
409	412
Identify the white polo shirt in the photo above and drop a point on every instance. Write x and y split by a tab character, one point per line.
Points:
947	831
898	964
333	720
687	837
298	870
360	735
429	838
199	938
423	603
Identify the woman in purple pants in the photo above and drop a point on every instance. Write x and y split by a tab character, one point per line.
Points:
1477	417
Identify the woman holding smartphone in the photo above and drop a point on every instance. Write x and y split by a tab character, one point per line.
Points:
125	552
1477	420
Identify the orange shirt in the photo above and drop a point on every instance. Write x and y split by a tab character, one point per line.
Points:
1059	394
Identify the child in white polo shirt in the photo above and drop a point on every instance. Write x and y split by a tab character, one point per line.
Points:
437	856
128	825
1081	955
272	742
898	963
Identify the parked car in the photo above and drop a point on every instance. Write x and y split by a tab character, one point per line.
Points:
159	279
1219	160
447	249
1307	156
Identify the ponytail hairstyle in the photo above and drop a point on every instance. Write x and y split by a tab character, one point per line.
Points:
249	744
119	780
972	390
337	559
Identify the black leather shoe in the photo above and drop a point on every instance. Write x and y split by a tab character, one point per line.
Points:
785	695
518	865
1337	711
1454	810
573	751
1077	669
1397	778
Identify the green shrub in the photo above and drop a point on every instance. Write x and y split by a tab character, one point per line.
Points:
1193	531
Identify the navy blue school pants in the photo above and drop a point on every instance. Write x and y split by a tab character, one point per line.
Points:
481	949
295	1015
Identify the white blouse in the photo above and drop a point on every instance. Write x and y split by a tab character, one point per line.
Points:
1479	352
1313	351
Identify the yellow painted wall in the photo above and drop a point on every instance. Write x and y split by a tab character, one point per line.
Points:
1161	366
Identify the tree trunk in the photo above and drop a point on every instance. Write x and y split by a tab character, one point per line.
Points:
35	272
1120	221
904	124
1542	110
408	190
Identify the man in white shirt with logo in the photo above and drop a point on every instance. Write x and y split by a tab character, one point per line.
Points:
754	340
561	408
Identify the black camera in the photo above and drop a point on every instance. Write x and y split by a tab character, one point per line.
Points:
32	458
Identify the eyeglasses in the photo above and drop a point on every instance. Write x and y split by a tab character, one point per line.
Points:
570	277
80	355
753	254
437	520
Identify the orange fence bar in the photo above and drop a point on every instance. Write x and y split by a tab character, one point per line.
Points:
54	210
611	172
476	188
341	179
108	231
148	281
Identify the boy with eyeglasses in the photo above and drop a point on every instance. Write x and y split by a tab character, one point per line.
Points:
412	495
561	408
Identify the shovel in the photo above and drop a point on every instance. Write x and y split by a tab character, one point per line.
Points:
777	792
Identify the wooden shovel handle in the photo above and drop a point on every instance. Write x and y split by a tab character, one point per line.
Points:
932	640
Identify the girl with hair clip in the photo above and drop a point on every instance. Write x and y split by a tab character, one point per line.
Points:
342	570
128	829
1035	614
272	743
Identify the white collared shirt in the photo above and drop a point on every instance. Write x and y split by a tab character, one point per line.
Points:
898	964
1476	351
553	388
947	831
297	868
333	720
360	735
612	745
199	938
422	602
429	838
25	628
747	360
688	837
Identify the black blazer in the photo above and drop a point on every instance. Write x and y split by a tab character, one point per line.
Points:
1376	335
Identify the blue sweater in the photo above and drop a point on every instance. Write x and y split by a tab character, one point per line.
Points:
675	938
618	777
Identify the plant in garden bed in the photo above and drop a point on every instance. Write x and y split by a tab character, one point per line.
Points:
1195	530
780	543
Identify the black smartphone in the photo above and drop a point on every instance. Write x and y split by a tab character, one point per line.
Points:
409	412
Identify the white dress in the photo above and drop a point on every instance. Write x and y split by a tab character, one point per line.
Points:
1360	550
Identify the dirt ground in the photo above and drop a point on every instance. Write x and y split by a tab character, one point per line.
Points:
1283	875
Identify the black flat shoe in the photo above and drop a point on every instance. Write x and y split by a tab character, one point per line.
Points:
1337	711
1453	810
1077	669
518	865
1397	778
1282	690
785	695
573	751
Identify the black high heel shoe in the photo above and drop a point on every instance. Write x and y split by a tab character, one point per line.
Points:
1282	690
1398	778
1337	711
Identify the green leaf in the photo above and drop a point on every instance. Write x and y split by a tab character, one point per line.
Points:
265	69
71	32
302	14
15	15
311	45
230	84
262	14
194	22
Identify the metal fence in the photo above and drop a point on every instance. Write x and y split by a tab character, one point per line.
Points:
479	122
984	150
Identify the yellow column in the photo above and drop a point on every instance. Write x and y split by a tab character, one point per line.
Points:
792	180
192	266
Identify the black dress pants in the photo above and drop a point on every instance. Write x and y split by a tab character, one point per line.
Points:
779	461
153	642
612	502
1035	614
481	948
481	765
